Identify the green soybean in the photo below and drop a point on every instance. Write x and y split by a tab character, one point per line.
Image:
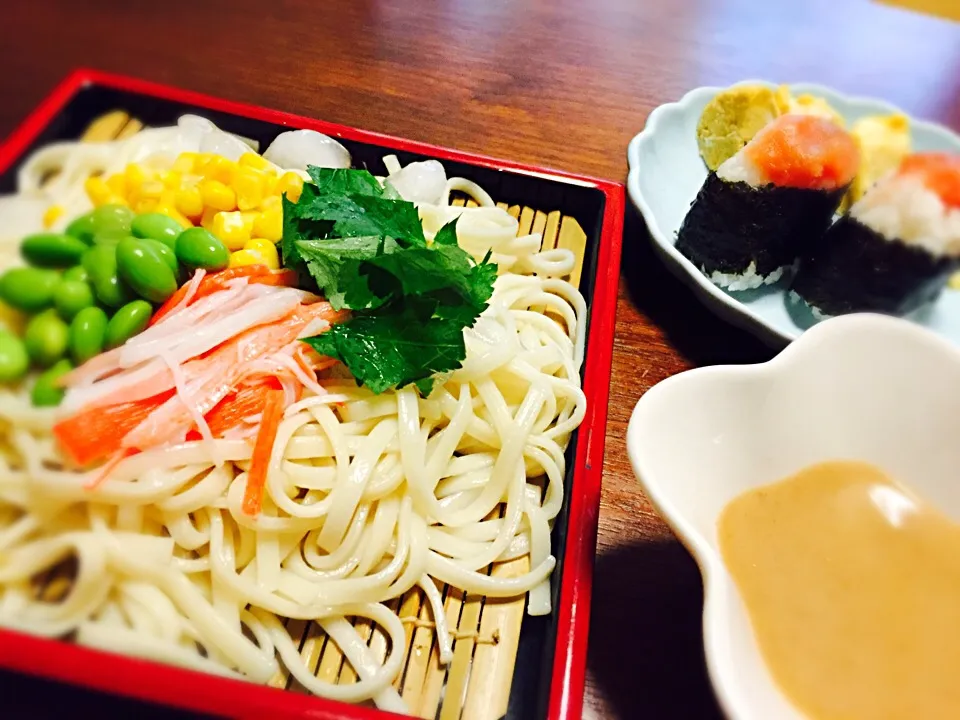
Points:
110	237
112	218
199	248
47	391
128	321
87	334
82	228
145	270
156	226
78	273
168	255
45	338
28	289
100	262
52	250
14	360
72	296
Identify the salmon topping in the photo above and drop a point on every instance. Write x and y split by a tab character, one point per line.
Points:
940	172
805	151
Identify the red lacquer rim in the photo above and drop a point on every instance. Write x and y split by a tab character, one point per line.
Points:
198	692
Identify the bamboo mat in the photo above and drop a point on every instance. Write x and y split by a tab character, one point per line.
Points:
486	632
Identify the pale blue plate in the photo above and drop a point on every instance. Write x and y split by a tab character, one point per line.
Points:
666	172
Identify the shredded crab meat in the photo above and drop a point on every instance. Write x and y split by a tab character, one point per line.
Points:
166	380
192	287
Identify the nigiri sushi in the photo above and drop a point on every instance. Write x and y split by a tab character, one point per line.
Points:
763	206
895	249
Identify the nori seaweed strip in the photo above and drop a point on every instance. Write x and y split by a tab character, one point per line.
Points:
731	225
856	269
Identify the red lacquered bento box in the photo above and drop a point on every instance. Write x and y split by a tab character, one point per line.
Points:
585	214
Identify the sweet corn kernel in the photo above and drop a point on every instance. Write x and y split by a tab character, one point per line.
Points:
171	178
145	205
206	219
53	213
185	162
219	168
188	201
97	190
117	184
273	202
265	249
233	228
151	189
246	257
200	162
252	160
248	184
217	195
136	175
170	211
270	180
269	224
291	184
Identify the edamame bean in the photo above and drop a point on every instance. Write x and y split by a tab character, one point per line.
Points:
145	270
14	360
52	250
169	257
112	218
110	237
78	273
199	248
100	262
47	391
128	321
72	296
82	228
87	334
156	226
28	289
46	338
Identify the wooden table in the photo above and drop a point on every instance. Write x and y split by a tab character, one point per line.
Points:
562	83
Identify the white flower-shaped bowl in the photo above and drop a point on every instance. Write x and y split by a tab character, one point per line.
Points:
861	387
666	172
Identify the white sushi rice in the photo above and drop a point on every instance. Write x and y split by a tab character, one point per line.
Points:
903	208
794	297
740	168
747	280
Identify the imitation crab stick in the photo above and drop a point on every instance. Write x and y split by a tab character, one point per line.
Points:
255	274
262	449
246	401
166	398
96	434
214	376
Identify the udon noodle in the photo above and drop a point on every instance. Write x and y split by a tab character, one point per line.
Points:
367	496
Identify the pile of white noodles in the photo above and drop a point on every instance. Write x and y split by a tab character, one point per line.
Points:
367	496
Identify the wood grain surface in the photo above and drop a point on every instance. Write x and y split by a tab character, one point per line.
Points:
562	83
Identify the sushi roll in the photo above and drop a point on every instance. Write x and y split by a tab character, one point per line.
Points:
895	249
763	206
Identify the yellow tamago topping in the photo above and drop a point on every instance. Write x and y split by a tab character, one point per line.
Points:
731	119
884	142
806	104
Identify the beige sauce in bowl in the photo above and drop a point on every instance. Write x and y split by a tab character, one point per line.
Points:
852	585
